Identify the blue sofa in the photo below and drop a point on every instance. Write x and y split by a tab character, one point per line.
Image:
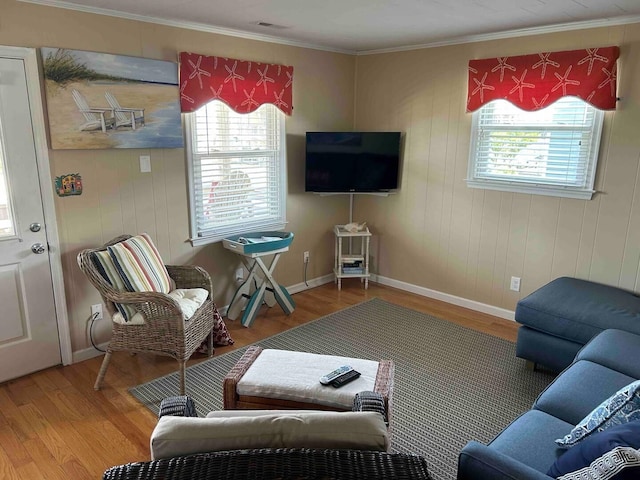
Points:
558	319
526	448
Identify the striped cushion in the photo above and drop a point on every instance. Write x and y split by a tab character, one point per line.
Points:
106	267
139	264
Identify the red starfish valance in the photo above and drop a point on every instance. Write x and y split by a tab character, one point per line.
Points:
242	85
533	82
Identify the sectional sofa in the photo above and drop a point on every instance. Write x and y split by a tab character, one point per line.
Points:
526	449
559	318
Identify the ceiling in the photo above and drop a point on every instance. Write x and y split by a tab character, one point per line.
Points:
365	26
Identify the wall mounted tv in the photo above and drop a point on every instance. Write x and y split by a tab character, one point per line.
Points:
352	162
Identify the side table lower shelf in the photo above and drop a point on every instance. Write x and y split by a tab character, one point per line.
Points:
364	277
351	264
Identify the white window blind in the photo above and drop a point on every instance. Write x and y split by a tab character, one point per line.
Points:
552	151
237	171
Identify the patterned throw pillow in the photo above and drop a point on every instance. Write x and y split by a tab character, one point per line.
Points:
140	265
106	267
604	455
621	407
221	336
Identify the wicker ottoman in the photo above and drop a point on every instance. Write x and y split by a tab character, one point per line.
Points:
282	379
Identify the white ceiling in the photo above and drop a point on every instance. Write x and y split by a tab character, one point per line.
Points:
360	26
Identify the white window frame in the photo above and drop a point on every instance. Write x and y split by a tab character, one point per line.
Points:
245	225
536	186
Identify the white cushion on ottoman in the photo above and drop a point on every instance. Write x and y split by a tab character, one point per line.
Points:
295	376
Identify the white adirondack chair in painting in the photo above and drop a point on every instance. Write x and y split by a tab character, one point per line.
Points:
96	117
127	117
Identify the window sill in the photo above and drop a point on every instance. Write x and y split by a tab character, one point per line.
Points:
532	189
214	238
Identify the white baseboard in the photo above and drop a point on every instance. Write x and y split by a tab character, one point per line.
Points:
91	352
315	282
446	297
408	287
87	353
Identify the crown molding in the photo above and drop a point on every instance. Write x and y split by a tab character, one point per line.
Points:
522	32
200	27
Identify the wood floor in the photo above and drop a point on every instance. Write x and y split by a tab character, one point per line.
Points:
53	425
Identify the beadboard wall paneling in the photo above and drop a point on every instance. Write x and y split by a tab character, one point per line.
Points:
435	233
118	199
439	234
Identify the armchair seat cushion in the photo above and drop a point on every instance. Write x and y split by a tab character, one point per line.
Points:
175	436
189	300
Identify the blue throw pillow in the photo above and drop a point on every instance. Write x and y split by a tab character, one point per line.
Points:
611	454
622	407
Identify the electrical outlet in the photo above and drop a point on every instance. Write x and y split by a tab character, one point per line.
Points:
239	274
96	311
515	284
305	257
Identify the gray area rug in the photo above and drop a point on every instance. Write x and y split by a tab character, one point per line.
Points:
452	384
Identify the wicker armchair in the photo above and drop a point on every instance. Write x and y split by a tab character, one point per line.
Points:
164	332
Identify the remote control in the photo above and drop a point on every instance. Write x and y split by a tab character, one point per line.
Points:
330	377
345	378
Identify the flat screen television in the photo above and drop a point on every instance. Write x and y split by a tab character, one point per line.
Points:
352	162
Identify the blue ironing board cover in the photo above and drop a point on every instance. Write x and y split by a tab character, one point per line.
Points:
258	242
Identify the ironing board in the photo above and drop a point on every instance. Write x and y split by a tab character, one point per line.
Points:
252	247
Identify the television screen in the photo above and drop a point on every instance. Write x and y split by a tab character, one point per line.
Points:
352	161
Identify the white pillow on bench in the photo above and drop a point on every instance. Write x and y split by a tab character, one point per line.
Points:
233	430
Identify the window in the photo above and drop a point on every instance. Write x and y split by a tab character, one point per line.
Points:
553	151
7	227
237	171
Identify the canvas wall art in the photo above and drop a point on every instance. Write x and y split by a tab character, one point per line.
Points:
99	100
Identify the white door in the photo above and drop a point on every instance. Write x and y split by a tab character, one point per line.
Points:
28	326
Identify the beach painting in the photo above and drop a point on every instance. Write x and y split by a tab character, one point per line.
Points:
99	100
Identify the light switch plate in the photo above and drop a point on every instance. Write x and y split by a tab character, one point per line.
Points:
145	163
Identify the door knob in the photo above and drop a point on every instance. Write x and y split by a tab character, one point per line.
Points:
38	248
35	227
